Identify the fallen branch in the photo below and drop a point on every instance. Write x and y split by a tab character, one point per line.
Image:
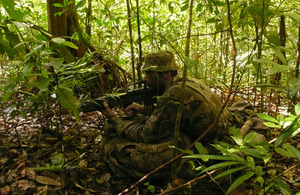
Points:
189	183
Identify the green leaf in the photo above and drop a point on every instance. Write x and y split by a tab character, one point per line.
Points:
42	83
66	97
267	117
170	6
151	188
260	180
249	137
200	148
236	135
183	151
4	48
297	109
57	159
273	37
80	4
219	3
8	4
251	162
70	44
220	165
230	171
199	7
252	152
10	109
294	15
272	125
57	5
57	63
208	156
233	156
284	135
282	152
26	71
295	87
258	170
58	40
294	152
279	54
68	100
9	8
239	181
286	190
185	7
276	68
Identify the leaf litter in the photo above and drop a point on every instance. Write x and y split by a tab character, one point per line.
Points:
36	157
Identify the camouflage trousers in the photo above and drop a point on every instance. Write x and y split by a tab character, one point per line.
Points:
129	159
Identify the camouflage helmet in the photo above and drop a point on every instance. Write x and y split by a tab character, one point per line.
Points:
160	61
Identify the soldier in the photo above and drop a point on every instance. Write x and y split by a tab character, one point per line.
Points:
143	145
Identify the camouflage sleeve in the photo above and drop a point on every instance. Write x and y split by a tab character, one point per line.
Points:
159	125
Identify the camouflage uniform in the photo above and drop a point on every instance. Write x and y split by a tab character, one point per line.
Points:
142	146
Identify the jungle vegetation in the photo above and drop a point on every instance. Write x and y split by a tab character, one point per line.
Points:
56	53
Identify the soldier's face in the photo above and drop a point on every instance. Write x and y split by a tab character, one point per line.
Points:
152	80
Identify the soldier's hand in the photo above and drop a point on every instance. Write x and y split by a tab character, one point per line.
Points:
110	115
133	109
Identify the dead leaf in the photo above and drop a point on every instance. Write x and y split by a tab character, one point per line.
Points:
23	185
104	178
47	180
5	190
79	186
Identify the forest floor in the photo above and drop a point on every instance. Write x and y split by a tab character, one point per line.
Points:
37	159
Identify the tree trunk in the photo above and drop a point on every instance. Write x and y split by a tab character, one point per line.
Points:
139	64
297	66
88	27
66	24
131	39
57	24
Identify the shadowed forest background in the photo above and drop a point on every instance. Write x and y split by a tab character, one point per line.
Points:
55	54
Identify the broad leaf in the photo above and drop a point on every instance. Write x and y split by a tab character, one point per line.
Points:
68	100
239	181
267	117
4	48
70	44
42	83
57	63
294	15
294	152
57	5
272	125
279	54
200	148
283	152
276	68
80	4
295	87
9	8
185	7
285	189
249	137
284	135
58	40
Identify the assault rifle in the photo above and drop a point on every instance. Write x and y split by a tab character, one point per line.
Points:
142	93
